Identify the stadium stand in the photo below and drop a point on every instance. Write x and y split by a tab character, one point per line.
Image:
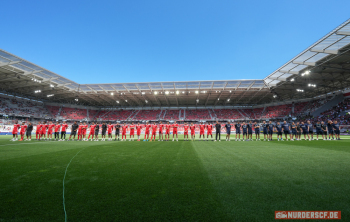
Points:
338	112
110	115
253	113
147	115
257	112
315	104
172	115
299	108
197	114
277	111
228	114
15	106
101	114
247	113
73	113
93	113
54	111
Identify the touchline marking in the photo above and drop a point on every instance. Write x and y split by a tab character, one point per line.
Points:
64	205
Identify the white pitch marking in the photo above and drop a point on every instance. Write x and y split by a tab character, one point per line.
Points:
64	202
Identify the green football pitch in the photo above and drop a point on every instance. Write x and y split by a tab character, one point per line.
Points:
171	181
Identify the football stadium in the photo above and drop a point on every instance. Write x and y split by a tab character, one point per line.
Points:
206	150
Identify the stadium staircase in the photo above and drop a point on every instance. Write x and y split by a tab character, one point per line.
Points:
52	114
59	111
212	114
135	114
105	114
184	114
131	115
211	117
215	115
263	112
181	114
164	114
244	116
328	105
306	107
87	114
96	114
160	114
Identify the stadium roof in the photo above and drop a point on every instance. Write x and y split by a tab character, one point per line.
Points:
321	68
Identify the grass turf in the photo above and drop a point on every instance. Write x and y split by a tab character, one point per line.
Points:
172	181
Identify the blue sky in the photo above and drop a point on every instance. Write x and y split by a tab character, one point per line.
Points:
142	41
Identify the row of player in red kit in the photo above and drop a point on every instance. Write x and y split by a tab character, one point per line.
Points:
148	128
17	126
132	127
82	129
41	128
160	127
